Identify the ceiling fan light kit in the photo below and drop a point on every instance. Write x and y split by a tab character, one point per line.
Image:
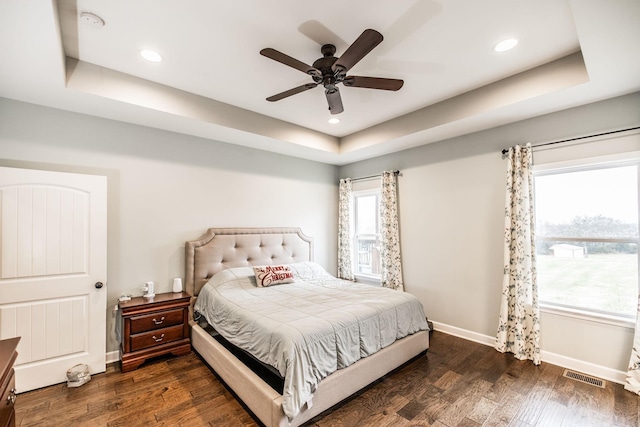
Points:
330	71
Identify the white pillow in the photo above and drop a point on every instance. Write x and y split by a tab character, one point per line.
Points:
268	275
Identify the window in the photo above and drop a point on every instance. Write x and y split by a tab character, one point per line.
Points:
366	238
587	238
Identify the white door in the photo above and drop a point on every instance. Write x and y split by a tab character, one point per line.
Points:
53	252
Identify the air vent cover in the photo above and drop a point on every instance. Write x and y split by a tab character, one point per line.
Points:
583	378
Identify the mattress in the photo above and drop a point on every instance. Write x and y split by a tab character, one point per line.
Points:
309	328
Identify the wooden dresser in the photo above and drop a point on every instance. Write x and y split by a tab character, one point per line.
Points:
8	356
153	327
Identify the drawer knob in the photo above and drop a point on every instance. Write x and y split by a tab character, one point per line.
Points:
158	339
12	396
158	322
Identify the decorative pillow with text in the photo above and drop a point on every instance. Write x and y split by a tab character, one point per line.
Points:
273	275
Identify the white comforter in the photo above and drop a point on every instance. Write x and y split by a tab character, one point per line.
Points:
310	328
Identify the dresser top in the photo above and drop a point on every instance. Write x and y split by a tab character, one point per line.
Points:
158	298
8	354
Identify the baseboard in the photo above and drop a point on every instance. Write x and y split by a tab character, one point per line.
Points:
113	356
464	333
599	371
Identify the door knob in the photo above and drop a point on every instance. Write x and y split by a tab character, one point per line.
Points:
99	285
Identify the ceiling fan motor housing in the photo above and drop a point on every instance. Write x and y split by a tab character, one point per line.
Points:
328	76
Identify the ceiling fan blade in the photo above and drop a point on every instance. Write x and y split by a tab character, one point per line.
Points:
287	60
373	82
290	92
358	49
334	100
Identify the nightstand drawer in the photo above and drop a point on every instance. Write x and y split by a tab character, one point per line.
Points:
157	320
157	337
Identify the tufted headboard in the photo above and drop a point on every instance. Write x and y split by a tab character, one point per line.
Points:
221	248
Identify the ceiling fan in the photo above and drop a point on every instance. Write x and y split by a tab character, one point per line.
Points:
328	71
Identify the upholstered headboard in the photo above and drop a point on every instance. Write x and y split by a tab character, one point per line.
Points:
221	248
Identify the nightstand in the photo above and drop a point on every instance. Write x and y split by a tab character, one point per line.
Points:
153	327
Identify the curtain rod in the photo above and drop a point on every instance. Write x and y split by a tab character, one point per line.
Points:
506	150
395	172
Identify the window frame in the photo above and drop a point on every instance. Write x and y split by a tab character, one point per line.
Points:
372	279
587	164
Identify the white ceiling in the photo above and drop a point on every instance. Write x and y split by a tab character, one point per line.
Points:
213	82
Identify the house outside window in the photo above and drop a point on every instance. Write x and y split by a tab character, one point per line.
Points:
366	237
587	238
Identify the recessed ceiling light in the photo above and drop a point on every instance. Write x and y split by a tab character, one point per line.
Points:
151	55
505	45
334	121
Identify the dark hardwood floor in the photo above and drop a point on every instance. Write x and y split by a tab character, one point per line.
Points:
459	383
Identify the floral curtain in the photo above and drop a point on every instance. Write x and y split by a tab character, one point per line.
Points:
633	375
345	270
390	233
519	325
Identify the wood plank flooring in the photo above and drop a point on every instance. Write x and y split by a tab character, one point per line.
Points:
458	383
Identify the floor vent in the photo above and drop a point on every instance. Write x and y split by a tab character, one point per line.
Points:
583	378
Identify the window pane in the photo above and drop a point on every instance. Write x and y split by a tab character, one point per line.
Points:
368	255
366	240
592	203
596	204
596	276
366	208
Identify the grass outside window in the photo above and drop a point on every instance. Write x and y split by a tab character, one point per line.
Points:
599	282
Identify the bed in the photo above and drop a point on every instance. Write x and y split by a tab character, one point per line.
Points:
235	251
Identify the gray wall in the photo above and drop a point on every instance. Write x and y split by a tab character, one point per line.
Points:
166	188
451	202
